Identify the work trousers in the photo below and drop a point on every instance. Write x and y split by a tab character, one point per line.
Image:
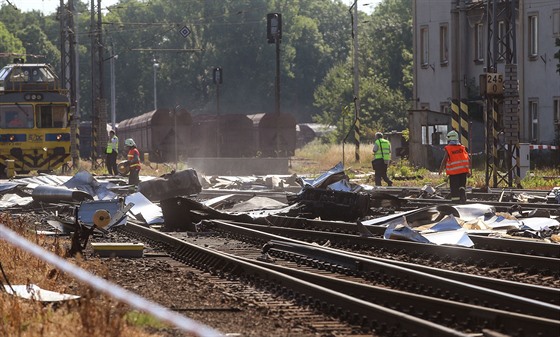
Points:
134	177
111	162
380	168
457	184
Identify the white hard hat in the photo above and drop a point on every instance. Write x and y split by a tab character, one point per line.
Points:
129	142
452	135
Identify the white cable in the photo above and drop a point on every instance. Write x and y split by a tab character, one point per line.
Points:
108	288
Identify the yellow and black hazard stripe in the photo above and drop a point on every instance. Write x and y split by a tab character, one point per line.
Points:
357	138
460	120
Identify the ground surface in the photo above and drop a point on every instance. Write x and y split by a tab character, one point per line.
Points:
232	309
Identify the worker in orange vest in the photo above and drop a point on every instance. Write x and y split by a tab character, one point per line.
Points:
133	161
457	163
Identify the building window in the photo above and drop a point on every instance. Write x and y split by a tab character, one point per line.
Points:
443	45
502	39
479	43
434	134
424	45
534	125
556	22
533	31
444	108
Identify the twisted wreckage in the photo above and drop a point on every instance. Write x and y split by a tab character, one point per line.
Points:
84	205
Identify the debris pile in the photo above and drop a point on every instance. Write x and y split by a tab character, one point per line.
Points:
83	205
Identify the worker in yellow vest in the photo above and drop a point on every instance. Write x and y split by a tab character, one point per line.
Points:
381	159
457	163
112	153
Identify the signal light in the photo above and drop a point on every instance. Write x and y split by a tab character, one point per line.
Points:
274	27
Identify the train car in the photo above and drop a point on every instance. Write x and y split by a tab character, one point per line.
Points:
34	118
156	132
234	132
275	134
86	140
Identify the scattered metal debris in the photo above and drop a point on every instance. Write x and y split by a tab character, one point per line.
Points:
182	183
35	293
59	194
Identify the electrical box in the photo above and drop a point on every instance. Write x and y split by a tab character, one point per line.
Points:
524	159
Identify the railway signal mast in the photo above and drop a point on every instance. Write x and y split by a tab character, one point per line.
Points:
274	35
69	72
502	96
99	106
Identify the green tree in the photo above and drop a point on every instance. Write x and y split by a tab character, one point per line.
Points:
9	44
385	65
37	43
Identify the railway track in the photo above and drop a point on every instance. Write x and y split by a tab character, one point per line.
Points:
389	300
484	258
481	242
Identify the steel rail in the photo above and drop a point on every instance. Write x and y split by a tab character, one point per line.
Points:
384	320
480	242
501	206
464	315
399	276
528	263
544	294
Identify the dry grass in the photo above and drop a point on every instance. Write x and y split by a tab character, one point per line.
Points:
315	158
93	315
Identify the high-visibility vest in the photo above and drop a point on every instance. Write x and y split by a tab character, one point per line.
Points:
131	154
383	149
457	159
113	146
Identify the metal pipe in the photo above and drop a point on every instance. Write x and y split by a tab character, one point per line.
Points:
58	194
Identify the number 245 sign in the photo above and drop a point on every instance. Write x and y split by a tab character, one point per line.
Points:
494	84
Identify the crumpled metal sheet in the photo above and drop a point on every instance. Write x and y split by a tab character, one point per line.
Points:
33	292
539	224
449	223
6	187
256	203
12	200
469	211
399	230
344	186
144	209
84	181
446	232
454	238
498	222
336	173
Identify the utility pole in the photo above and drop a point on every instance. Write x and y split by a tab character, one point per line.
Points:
69	73
356	79
218	79
99	108
113	93
274	35
502	96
